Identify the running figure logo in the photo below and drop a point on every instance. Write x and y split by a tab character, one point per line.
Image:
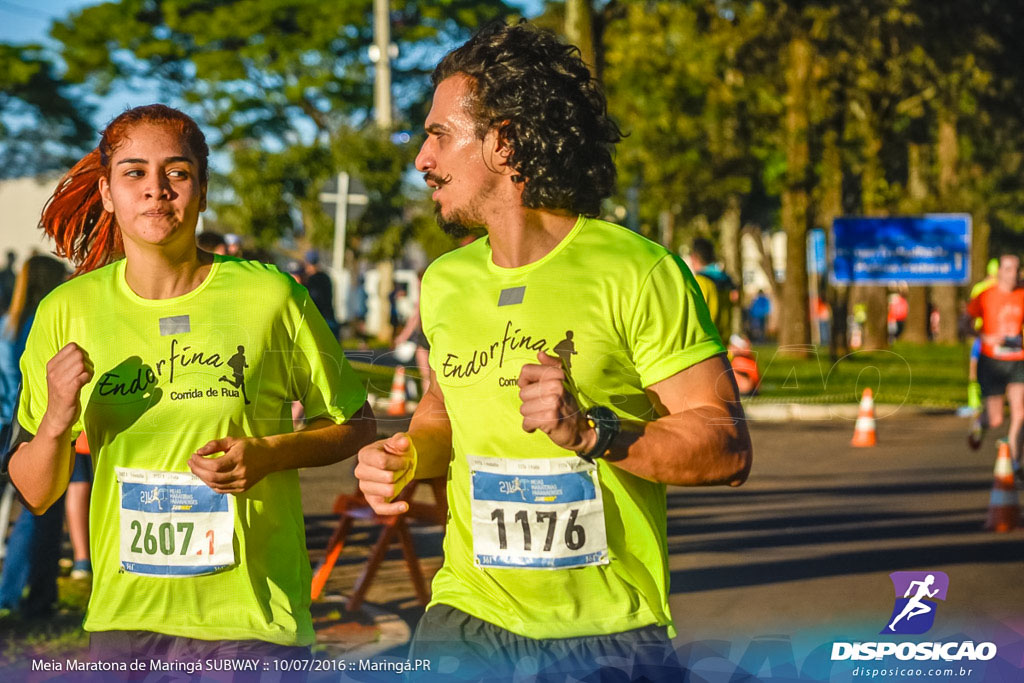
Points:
914	613
565	350
238	365
508	487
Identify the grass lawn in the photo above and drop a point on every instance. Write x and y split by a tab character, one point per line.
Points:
915	374
57	637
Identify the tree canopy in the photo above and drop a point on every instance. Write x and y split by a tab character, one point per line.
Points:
44	123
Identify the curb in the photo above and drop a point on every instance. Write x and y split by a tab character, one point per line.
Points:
757	410
788	412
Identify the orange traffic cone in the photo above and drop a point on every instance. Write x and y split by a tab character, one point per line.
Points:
397	404
864	431
1003	505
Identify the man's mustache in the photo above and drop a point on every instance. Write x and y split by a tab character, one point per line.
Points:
436	179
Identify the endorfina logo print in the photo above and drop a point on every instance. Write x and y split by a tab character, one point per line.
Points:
916	592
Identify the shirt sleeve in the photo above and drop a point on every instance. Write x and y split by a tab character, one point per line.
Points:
671	328
45	339
974	308
321	378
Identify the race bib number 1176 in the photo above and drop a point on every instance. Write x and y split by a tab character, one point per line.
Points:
536	514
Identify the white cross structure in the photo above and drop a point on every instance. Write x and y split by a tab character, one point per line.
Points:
341	200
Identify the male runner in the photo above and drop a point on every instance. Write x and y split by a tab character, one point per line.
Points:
1001	363
979	421
555	549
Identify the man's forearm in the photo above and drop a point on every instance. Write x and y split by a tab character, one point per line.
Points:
701	447
322	442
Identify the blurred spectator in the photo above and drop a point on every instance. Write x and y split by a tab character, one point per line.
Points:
412	337
744	365
7	281
702	262
760	309
321	289
212	242
823	318
297	269
33	549
233	243
400	306
896	319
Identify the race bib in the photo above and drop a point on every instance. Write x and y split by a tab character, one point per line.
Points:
172	524
536	514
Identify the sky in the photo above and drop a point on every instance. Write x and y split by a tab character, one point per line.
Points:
29	20
26	21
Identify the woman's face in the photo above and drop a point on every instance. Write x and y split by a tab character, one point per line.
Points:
154	189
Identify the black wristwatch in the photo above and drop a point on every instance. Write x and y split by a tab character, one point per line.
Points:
605	422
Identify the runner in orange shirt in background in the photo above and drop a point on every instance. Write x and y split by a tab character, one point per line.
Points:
1001	364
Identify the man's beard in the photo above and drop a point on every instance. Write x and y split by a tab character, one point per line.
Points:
456	226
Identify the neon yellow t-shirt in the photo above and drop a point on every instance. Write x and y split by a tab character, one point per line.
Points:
710	291
226	359
622	313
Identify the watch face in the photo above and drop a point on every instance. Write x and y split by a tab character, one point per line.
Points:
604	418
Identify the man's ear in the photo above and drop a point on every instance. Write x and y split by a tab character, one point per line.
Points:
503	150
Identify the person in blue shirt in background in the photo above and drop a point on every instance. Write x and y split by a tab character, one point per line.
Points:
33	549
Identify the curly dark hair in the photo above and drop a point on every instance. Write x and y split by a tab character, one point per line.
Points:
544	102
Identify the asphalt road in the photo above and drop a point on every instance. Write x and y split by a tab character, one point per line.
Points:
770	573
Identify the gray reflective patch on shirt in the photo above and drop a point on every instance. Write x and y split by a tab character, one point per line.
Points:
177	324
512	296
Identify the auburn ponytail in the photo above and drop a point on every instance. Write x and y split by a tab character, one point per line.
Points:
82	230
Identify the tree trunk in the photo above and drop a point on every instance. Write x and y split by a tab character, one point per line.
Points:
981	233
876	332
944	297
729	244
830	207
916	327
579	30
794	331
915	330
667	229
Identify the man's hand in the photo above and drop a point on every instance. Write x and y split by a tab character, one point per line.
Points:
245	462
66	373
384	468
549	407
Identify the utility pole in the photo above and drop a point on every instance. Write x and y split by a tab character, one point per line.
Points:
381	53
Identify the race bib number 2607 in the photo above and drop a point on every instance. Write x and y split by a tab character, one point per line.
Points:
172	524
536	514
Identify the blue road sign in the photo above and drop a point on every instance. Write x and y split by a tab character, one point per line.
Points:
921	250
816	251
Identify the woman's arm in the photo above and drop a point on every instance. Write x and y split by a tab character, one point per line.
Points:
41	468
246	461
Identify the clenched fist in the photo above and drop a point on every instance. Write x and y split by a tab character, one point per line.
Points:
549	407
66	373
384	468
